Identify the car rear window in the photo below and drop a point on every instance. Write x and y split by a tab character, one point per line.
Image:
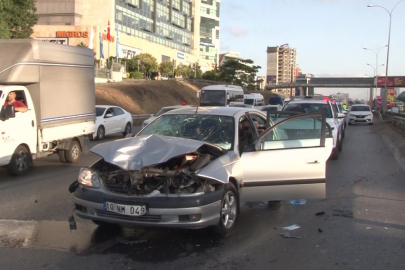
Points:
309	108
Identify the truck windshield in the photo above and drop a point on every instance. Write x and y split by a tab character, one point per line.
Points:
249	101
213	98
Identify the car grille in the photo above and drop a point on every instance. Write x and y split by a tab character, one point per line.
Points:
360	116
144	218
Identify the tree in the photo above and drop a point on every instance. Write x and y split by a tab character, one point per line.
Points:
401	97
17	17
194	72
148	63
240	72
166	68
211	75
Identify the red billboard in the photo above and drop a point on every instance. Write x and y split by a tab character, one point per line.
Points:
392	81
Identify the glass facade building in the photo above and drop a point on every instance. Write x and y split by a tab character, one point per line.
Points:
209	30
160	21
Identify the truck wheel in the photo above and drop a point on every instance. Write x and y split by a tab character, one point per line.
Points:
72	155
228	212
61	154
100	133
20	161
127	130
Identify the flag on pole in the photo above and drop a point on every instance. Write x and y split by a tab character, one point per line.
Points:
101	46
118	42
91	42
108	32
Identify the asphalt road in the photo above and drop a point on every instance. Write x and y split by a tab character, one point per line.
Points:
368	180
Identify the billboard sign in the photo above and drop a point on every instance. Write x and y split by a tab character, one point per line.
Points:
392	81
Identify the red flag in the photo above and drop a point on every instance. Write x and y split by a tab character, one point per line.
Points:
108	32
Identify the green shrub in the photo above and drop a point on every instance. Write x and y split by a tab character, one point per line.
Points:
136	75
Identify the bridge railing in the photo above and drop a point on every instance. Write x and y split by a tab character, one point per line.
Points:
397	120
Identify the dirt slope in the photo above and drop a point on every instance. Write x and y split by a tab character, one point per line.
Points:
146	97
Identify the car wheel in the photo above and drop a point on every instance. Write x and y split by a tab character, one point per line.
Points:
335	153
228	211
350	124
127	130
20	161
340	146
62	154
370	123
100	133
343	132
72	155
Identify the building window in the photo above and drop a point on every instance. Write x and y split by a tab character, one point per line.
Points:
165	58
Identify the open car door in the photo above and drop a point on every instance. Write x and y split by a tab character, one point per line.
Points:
288	160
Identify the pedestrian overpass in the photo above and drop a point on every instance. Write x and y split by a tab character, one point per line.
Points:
305	86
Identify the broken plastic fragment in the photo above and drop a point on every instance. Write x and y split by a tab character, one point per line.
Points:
291	227
288	235
72	223
320	213
343	213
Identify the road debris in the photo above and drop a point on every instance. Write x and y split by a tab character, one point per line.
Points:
288	235
342	213
320	230
368	228
72	223
291	227
320	213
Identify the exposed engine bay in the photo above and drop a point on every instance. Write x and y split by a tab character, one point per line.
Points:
175	176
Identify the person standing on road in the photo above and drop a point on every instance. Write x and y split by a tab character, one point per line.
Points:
344	106
19	106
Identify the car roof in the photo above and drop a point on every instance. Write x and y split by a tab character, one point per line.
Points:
177	106
356	105
315	101
225	111
106	106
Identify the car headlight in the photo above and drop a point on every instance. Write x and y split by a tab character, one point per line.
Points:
88	178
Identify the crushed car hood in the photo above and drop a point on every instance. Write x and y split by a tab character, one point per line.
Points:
137	152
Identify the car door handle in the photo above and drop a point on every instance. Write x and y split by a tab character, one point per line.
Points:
312	161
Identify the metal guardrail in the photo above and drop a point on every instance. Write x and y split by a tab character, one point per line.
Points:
397	121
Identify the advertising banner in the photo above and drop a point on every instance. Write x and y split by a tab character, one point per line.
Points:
128	52
392	81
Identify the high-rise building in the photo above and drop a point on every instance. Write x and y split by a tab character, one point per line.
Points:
209	31
281	64
167	29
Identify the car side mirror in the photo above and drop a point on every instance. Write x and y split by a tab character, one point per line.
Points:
7	112
341	115
108	115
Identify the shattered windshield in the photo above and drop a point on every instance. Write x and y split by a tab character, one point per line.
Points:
218	130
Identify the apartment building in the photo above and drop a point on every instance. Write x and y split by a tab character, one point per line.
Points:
167	29
281	65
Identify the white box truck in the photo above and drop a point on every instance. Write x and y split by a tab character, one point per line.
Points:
56	84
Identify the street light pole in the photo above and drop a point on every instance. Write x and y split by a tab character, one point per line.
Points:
384	95
376	78
376	70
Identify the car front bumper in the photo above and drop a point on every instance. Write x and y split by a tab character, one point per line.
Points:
356	120
162	211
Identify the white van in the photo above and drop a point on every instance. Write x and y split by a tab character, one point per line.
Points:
254	99
55	85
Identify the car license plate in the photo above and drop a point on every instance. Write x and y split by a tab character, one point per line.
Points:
129	210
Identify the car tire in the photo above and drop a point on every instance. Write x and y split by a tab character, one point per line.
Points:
127	130
72	155
340	145
100	133
62	154
370	123
228	212
20	162
350	124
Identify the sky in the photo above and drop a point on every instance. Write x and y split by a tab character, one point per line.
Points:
329	35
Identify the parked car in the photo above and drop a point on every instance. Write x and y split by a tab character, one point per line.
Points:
360	113
195	168
162	111
112	120
341	120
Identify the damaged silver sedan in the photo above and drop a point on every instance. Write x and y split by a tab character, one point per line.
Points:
195	168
